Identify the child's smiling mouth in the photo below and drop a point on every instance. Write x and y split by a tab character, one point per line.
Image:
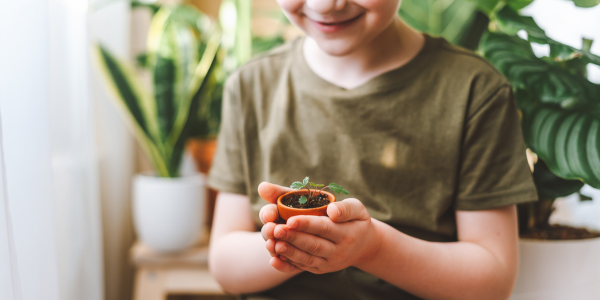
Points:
333	27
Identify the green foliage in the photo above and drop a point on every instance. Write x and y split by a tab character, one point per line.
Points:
182	54
487	6
235	18
303	200
338	188
510	22
263	44
545	80
551	186
447	18
297	185
560	107
586	3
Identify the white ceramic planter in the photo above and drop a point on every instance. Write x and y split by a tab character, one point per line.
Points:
558	270
168	213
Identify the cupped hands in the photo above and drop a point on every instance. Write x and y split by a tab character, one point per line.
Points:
347	237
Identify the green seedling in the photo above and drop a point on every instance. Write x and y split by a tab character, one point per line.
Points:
305	183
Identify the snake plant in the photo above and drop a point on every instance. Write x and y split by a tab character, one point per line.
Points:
182	54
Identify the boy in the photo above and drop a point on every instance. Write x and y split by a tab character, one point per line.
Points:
425	134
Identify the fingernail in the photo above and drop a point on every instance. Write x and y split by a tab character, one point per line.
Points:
271	216
283	249
281	234
339	210
293	225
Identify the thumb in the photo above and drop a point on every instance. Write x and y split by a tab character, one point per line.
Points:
270	192
347	210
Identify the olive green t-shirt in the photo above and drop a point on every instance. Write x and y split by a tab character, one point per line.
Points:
415	144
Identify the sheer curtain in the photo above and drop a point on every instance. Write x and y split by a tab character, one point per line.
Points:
51	237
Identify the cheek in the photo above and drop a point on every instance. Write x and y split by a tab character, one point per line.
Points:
292	10
381	12
290	6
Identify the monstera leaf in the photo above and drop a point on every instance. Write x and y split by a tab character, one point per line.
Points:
567	140
550	186
560	110
510	22
489	6
545	80
586	3
447	18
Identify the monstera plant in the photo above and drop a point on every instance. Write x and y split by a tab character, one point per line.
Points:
182	55
560	107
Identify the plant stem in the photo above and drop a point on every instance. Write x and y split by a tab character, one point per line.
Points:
309	194
323	189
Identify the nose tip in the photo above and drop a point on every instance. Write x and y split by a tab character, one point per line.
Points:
325	6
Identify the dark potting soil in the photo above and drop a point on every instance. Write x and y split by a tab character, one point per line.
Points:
316	201
560	232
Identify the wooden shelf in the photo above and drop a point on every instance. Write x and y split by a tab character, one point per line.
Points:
159	275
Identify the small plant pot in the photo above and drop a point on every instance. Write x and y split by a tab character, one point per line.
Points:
286	212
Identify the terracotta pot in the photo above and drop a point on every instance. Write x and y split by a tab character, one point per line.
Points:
203	152
286	212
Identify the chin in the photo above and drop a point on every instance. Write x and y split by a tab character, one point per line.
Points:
336	47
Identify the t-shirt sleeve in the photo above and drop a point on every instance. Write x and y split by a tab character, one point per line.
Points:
494	171
227	171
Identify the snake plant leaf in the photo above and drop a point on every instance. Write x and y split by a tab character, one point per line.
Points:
129	95
567	140
550	186
124	85
198	83
207	120
510	22
586	3
195	93
545	80
172	57
235	18
447	18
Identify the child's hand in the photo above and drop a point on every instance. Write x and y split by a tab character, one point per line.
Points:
324	244
268	214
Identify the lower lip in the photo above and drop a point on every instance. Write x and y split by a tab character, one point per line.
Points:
337	27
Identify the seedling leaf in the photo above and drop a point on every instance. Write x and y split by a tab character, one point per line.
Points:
302	200
338	188
305	181
297	185
313	184
320	185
